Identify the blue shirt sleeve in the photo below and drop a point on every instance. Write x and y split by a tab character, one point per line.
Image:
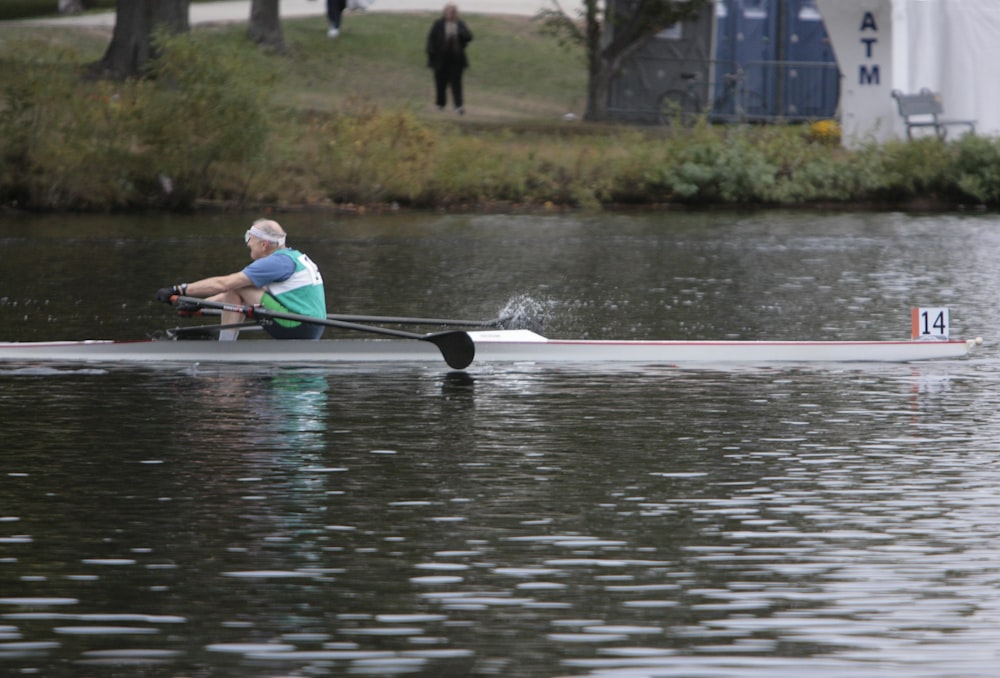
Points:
272	268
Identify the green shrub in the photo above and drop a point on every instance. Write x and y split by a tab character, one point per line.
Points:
369	156
199	112
909	169
975	167
65	143
70	143
469	170
718	165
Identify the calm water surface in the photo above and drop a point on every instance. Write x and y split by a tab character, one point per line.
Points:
203	520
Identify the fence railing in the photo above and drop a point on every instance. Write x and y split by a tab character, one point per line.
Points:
797	90
665	90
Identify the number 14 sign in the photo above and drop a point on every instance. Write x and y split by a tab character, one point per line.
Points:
930	323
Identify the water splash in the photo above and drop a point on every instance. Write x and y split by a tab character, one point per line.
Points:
524	312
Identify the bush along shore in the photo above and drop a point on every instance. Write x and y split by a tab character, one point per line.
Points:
204	130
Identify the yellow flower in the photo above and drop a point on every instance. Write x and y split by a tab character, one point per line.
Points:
826	131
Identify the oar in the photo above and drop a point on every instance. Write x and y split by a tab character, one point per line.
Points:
397	320
456	347
402	320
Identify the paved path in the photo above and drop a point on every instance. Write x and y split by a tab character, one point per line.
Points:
236	11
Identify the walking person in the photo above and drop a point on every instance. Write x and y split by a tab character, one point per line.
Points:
334	12
278	278
446	56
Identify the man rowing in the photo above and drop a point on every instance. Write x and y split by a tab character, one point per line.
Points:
279	278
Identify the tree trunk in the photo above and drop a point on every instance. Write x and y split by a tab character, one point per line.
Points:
613	36
132	40
265	24
598	79
598	91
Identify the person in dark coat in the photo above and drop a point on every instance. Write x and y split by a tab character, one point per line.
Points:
446	56
334	12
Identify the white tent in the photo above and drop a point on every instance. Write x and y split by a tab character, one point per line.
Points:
948	46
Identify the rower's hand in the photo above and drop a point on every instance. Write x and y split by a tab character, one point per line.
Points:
165	294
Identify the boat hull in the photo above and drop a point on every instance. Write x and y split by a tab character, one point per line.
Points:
517	346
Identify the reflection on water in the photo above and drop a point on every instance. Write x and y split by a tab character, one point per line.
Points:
525	521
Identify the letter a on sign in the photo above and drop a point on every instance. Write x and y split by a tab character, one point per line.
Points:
868	23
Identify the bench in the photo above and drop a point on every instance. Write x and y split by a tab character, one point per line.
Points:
924	109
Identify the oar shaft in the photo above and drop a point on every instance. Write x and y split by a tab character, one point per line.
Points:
403	320
261	312
400	320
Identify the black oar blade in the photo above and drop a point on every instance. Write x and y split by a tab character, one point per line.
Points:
457	348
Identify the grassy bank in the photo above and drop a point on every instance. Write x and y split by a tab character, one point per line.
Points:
349	124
